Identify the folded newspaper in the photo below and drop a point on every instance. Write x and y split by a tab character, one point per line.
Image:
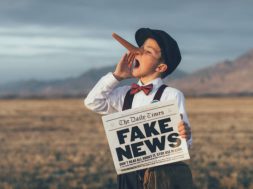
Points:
145	137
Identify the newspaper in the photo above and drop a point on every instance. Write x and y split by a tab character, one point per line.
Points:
145	137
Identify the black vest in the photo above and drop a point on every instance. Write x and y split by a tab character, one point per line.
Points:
129	97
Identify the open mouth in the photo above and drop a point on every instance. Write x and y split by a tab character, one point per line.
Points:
136	63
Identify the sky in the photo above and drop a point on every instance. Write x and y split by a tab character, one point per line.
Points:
55	39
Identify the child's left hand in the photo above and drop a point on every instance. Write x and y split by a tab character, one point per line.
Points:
184	130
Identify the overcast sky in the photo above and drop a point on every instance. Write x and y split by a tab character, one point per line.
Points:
47	39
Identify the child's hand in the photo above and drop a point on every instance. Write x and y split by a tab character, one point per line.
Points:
184	130
123	68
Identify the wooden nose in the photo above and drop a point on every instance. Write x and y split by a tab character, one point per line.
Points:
126	44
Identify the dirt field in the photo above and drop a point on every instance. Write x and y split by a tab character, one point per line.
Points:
58	144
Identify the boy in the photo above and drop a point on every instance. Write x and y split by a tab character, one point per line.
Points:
158	56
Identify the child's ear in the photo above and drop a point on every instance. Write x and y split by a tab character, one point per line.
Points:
161	68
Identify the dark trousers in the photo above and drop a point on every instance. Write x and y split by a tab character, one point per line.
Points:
171	176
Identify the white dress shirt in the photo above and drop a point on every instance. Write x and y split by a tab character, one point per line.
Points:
105	98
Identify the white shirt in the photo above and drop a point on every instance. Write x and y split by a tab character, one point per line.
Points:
105	98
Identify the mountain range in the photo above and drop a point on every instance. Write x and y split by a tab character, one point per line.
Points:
69	87
226	78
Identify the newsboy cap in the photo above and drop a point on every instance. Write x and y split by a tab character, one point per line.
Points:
169	48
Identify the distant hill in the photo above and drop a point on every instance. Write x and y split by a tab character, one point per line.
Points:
228	78
69	87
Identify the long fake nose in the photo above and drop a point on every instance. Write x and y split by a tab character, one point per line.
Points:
127	45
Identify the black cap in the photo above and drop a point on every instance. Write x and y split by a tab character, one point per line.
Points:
169	49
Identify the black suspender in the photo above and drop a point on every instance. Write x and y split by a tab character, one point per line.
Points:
159	92
129	97
128	101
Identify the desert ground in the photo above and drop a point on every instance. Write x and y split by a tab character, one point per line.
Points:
59	144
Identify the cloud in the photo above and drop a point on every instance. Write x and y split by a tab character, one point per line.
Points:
29	45
67	33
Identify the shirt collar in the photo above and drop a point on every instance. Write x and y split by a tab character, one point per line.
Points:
156	83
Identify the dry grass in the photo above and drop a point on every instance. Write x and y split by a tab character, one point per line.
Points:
59	144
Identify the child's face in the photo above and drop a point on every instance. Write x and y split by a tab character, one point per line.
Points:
147	61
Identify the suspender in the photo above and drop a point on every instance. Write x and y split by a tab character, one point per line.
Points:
128	101
159	92
129	97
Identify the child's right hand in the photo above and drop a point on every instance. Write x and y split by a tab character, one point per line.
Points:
123	68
